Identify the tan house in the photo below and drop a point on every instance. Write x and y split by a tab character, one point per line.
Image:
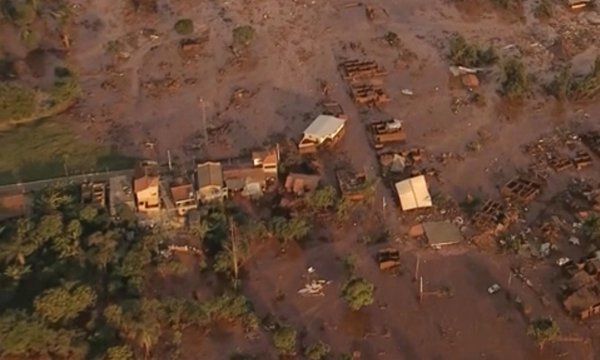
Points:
268	160
324	130
251	182
301	184
146	187
209	179
184	197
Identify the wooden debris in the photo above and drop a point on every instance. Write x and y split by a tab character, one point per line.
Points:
582	160
366	94
356	69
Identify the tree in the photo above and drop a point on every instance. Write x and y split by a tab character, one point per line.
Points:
122	352
286	230
465	54
53	198
591	227
102	248
184	26
358	292
322	199
515	84
23	336
64	303
67	245
234	254
134	265
49	227
88	214
284	340
20	245
543	330
16	102
317	351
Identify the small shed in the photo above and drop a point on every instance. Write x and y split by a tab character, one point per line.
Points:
442	233
413	193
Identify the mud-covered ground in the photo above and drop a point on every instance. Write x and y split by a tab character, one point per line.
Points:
143	96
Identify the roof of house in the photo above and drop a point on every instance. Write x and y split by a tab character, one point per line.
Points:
237	179
298	183
145	176
324	126
442	233
413	193
265	156
182	192
209	174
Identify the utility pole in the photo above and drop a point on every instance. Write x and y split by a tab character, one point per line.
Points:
233	241
421	289
169	157
417	268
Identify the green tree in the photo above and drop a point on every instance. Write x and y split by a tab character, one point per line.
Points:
68	245
358	292
465	54
322	199
102	248
317	351
184	26
20	245
88	214
16	102
53	198
64	303
515	84
50	227
24	336
286	230
543	330
284	340
591	227
133	266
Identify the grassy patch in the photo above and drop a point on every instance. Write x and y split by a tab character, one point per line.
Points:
40	151
243	36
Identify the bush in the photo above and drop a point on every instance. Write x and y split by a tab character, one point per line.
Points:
567	86
515	84
318	351
358	292
465	54
543	330
243	36
284	340
184	27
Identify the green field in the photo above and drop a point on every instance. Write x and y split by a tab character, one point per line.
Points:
41	151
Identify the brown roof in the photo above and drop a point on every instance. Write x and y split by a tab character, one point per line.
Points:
145	176
12	205
582	299
299	183
209	174
182	192
238	178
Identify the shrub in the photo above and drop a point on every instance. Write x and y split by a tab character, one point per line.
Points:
463	53
584	87
543	330
243	36
317	351
284	340
358	292
515	84
184	27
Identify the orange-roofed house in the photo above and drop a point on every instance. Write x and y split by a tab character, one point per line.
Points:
146	187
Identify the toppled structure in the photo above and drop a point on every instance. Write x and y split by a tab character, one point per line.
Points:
352	185
386	132
333	108
325	130
369	94
357	69
582	290
493	216
388	259
592	141
521	189
398	161
268	160
301	184
250	182
94	193
120	196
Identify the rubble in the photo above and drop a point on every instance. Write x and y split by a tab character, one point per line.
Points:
369	94
384	132
357	69
388	259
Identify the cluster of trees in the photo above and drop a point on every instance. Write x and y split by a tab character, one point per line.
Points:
465	54
73	286
565	85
